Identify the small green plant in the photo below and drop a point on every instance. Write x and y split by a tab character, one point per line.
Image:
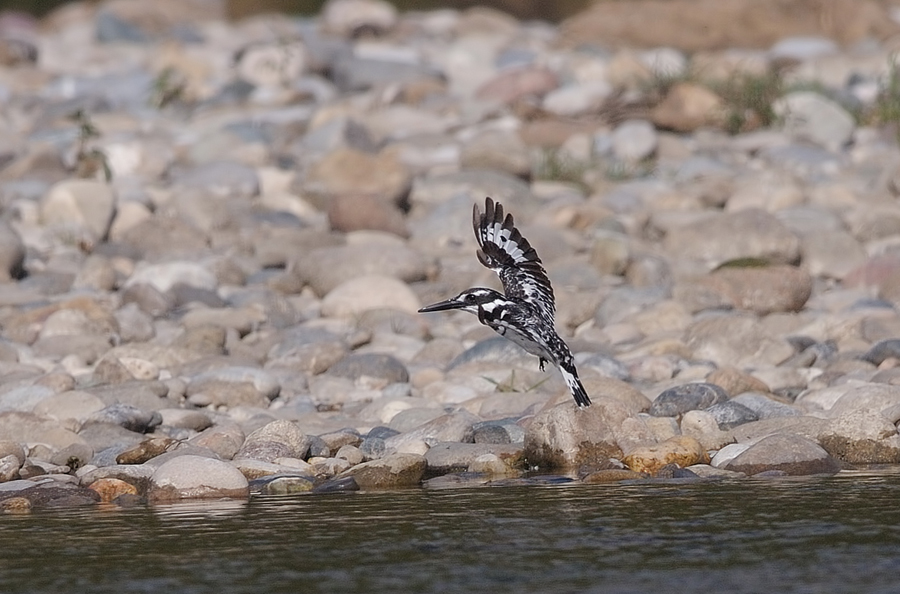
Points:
886	109
168	87
554	164
89	160
749	100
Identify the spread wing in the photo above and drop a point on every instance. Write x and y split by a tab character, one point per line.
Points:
503	249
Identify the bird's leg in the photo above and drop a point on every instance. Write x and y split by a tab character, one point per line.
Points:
542	362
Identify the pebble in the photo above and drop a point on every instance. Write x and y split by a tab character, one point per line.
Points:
195	477
244	308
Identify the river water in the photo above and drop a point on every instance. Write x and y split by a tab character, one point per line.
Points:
805	535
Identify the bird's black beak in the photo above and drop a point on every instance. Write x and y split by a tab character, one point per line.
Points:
442	306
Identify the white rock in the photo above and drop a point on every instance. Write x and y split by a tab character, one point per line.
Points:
573	100
345	17
634	140
80	205
195	477
812	117
164	276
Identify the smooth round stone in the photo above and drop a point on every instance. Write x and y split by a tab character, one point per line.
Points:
492	434
813	117
278	439
326	268
681	450
25	399
195	477
634	140
282	485
491	464
111	488
680	399
349	17
792	454
703	426
355	296
748	234
731	414
81	206
498	150
686	107
862	437
9	468
579	99
374	365
764	407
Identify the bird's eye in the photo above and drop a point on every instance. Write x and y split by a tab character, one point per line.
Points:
470	298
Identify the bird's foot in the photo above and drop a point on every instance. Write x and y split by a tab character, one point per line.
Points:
542	363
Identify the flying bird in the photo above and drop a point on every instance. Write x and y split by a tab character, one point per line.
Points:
525	312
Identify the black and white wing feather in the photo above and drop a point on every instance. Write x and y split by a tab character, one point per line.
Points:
503	249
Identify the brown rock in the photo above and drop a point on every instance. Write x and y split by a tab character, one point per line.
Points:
146	450
354	212
15	505
682	450
761	290
568	437
110	488
394	470
511	85
734	381
862	437
688	106
349	172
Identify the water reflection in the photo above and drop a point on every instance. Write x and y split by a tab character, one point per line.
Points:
819	534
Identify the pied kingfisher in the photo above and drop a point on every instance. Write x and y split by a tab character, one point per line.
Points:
525	313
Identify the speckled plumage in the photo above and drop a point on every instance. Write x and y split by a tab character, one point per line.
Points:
525	312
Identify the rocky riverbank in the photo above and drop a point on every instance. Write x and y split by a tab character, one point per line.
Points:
215	237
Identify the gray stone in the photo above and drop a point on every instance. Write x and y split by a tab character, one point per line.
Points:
278	439
374	365
195	477
730	414
680	399
455	426
810	116
791	454
764	407
326	268
748	234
